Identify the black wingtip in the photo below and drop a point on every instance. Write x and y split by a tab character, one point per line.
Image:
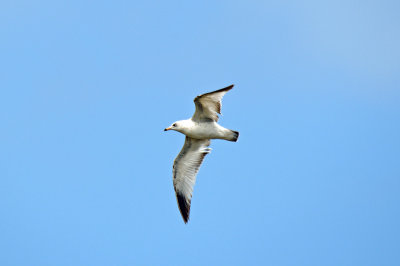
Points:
184	206
227	88
220	90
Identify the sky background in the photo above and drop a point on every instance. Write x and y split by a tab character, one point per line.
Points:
87	88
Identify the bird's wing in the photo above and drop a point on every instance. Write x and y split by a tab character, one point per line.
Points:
208	105
186	166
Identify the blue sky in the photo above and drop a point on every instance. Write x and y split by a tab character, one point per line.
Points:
87	88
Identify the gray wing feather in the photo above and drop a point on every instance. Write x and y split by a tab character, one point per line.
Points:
208	105
186	166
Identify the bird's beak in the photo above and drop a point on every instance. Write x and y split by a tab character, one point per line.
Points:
168	128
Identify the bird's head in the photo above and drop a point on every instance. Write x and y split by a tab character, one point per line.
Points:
177	126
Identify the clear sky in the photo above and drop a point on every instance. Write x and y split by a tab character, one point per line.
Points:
87	88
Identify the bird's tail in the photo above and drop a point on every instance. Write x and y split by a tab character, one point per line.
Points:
234	136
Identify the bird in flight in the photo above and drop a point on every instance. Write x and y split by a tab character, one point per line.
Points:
199	130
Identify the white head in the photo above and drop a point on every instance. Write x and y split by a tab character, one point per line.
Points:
179	126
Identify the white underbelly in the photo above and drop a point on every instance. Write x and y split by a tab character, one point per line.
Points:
206	131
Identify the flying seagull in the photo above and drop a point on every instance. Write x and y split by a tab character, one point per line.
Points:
199	130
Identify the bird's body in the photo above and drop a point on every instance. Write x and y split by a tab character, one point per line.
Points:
199	130
204	130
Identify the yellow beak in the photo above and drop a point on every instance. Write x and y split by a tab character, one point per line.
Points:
168	128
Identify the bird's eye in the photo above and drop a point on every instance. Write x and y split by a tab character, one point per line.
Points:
174	124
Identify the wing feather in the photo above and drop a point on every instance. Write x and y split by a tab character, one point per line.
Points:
186	166
208	105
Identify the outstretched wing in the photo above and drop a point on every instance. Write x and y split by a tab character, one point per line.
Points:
208	105
186	166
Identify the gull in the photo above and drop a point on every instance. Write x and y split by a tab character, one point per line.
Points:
199	130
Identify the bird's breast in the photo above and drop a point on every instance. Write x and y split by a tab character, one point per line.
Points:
207	130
